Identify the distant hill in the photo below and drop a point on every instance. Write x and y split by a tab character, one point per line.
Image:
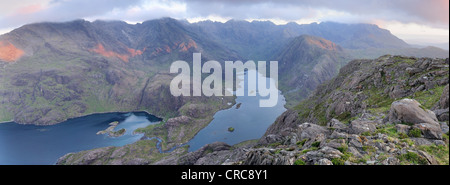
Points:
430	51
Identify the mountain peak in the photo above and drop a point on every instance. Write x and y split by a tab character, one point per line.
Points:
317	42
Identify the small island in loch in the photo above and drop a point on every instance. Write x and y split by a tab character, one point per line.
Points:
110	130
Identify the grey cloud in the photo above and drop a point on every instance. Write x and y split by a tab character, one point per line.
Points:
433	13
419	11
64	10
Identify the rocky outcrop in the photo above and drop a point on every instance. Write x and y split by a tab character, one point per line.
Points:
286	121
441	108
193	157
372	85
359	117
374	142
268	157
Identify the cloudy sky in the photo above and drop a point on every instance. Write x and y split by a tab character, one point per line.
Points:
415	21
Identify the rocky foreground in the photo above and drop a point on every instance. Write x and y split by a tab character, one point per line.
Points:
391	111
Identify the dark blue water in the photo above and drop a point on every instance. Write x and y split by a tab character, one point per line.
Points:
30	144
250	121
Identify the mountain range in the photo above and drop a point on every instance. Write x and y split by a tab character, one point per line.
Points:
50	72
55	71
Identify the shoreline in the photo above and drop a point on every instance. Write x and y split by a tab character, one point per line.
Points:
90	114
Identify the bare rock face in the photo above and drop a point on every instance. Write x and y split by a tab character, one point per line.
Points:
264	156
410	111
88	158
442	107
444	102
286	121
193	157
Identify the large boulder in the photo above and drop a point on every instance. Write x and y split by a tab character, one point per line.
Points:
410	111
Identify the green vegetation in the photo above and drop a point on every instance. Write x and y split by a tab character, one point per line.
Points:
301	143
439	152
366	133
315	144
415	132
307	107
369	149
408	141
343	148
338	161
273	145
299	162
398	60
245	143
344	116
389	130
230	129
378	101
402	135
309	149
412	158
429	98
